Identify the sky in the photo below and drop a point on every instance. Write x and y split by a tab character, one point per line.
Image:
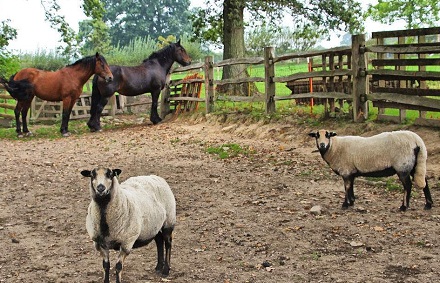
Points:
34	33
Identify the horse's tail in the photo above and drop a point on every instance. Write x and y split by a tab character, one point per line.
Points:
19	90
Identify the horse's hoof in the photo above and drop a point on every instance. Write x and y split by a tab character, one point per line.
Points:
28	134
428	206
20	135
403	208
67	134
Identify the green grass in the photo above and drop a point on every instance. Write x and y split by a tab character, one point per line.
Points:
229	150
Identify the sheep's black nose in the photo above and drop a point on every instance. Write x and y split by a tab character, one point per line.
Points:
322	145
100	188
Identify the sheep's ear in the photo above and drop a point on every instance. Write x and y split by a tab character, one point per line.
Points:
117	172
332	134
86	173
312	134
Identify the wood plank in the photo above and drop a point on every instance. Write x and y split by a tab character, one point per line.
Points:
333	94
407	91
5	96
7	106
187	98
238	81
7	116
191	67
427	122
238	61
255	98
343	50
406	62
185	81
411	49
426	103
317	74
406	32
386	74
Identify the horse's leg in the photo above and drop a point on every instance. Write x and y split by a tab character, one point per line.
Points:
96	123
24	112
67	109
17	111
96	97
154	116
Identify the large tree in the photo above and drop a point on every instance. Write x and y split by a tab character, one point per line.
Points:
415	13
223	21
142	18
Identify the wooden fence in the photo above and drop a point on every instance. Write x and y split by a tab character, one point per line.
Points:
42	110
344	74
400	75
336	74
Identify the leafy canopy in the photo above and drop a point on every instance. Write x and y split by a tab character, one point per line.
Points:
309	15
146	18
415	13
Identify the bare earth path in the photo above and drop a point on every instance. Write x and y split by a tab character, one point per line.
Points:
243	219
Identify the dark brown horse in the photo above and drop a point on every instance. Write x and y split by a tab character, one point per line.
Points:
150	76
64	85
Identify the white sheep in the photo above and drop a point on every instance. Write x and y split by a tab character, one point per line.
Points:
130	215
399	152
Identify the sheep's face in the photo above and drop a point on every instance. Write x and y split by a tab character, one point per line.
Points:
101	180
322	140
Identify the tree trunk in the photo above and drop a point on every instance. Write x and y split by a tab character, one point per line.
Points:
233	47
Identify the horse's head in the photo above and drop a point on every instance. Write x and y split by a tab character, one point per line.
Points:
102	69
180	54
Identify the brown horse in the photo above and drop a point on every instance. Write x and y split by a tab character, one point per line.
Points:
150	76
64	85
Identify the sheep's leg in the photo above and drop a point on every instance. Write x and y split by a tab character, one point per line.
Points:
105	262
159	239
349	192
428	197
167	235
406	182
120	264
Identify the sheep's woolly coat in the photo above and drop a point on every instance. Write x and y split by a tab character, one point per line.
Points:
138	209
400	150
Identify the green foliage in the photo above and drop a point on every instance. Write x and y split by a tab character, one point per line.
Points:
94	33
44	60
58	22
286	40
133	53
142	18
416	14
320	16
229	150
7	33
9	64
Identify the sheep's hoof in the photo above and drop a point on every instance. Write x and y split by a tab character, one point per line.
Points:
428	206
403	208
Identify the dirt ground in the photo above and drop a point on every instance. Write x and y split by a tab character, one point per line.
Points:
242	219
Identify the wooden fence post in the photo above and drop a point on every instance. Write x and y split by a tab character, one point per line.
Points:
209	84
360	80
269	74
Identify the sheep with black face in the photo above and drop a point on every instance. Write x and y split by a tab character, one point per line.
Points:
399	152
130	215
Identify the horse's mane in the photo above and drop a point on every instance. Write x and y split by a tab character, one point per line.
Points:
88	61
164	52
